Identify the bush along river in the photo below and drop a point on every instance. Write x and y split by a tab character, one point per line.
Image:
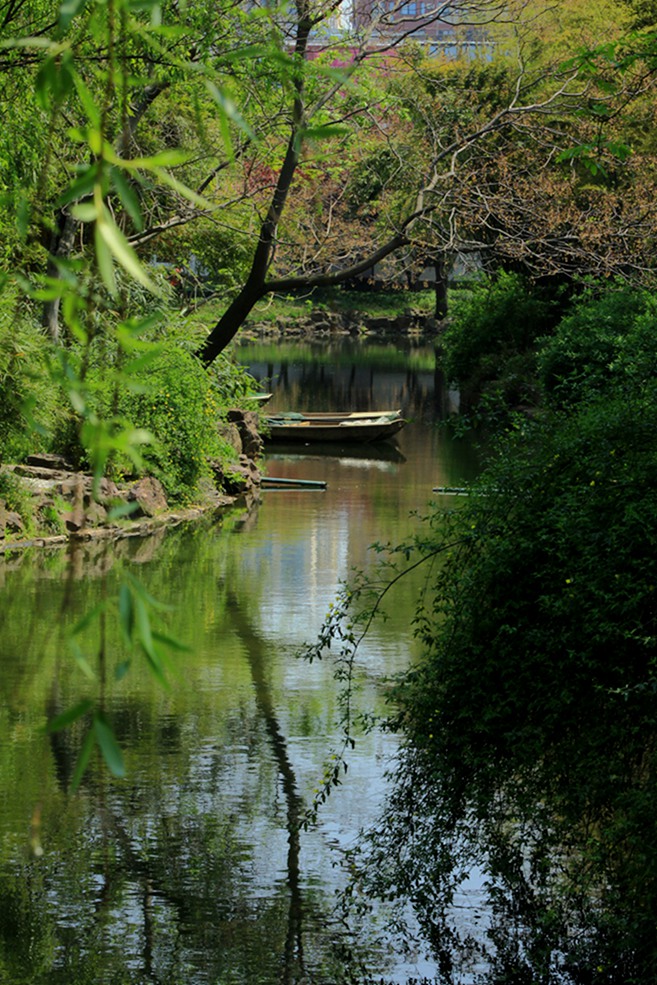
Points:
193	867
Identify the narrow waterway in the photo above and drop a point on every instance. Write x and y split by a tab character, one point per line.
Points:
193	869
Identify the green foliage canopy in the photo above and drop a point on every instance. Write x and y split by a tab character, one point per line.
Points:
607	338
530	724
488	346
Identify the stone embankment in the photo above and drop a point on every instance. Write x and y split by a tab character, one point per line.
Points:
66	505
320	322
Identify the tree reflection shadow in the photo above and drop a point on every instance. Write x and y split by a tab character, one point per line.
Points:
256	651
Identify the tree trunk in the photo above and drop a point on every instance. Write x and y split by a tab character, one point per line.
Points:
62	244
257	287
440	288
230	322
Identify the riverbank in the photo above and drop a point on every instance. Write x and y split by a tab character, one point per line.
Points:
375	314
319	323
60	504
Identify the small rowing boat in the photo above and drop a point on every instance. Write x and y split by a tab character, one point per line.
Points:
333	416
336	427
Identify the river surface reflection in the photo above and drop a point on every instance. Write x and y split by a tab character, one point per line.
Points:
192	869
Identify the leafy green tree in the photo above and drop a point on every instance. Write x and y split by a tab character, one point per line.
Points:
90	69
219	120
529	725
489	346
608	338
554	192
644	13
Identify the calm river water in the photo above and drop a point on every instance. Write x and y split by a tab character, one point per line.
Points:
189	870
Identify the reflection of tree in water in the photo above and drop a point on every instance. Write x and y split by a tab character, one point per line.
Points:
352	383
148	881
256	650
153	890
345	963
170	876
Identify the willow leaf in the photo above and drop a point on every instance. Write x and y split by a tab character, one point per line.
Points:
109	747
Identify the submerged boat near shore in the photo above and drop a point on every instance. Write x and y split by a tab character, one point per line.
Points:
361	426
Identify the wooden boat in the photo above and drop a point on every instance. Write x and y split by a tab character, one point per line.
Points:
345	428
333	416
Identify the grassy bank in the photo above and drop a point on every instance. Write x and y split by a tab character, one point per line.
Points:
375	304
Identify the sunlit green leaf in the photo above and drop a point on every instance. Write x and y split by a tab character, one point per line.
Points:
83	759
121	510
128	197
109	747
325	132
137	436
68	10
139	364
110	234
255	51
165	159
229	109
81	187
171	642
157	668
104	259
84	212
29	42
77	135
168	179
81	660
69	716
89	103
77	401
146	596
143	626
334	73
88	618
96	141
49	293
153	7
129	330
126	612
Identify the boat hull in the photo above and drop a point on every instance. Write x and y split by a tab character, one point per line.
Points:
360	430
332	417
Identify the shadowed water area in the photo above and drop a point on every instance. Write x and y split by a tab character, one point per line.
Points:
193	869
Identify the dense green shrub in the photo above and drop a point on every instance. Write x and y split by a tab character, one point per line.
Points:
29	403
489	344
606	338
367	179
150	400
531	724
17	498
173	400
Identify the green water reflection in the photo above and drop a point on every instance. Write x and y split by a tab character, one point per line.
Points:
193	868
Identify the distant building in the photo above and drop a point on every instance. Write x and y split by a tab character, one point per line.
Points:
432	24
392	18
381	24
